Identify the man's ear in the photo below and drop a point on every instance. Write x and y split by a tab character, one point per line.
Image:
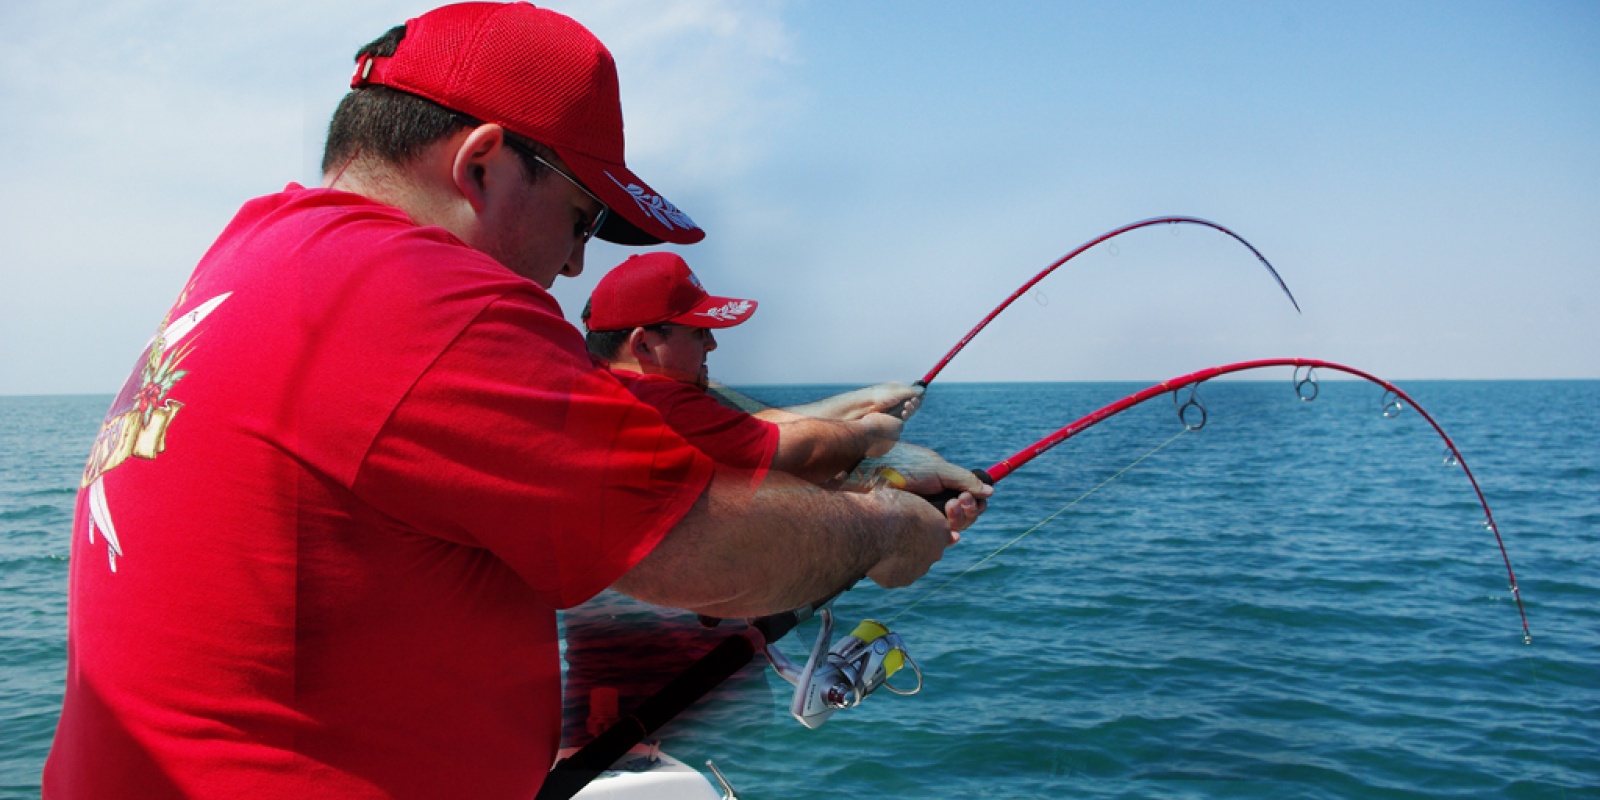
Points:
639	347
473	169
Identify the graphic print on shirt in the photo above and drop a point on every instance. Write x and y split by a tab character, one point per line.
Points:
136	426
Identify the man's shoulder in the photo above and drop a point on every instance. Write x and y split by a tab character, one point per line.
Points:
297	202
672	397
347	242
646	386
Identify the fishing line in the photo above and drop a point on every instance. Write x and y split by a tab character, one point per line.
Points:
1002	548
1549	737
1187	428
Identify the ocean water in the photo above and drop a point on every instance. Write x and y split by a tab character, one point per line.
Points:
1299	600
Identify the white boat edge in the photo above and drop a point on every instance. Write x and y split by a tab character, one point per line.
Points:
647	773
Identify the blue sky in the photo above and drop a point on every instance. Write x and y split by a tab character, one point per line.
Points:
1426	176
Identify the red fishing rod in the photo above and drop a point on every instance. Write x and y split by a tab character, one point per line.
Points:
1193	416
1174	220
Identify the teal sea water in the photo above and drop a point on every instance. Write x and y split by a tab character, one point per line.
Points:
1299	600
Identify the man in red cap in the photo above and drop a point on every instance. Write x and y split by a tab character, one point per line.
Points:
323	532
652	322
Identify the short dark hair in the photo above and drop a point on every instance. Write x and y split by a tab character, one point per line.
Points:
602	344
394	126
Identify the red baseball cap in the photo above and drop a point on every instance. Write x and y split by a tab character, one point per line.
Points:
539	74
653	288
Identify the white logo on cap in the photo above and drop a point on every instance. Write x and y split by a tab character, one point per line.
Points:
731	310
655	205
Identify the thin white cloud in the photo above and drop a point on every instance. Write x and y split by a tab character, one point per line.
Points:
702	80
138	128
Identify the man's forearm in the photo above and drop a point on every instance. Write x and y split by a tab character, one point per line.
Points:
816	450
895	399
849	405
741	554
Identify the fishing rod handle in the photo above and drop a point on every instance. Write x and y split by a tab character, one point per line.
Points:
571	774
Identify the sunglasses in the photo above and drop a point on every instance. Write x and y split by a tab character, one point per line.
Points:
665	329
586	228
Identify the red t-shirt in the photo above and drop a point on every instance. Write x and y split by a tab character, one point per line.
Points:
731	437
327	522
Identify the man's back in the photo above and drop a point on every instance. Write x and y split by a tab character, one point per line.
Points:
264	590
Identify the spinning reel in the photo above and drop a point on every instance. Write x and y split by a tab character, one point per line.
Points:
843	676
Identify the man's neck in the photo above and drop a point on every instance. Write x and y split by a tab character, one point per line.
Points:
421	187
626	366
638	368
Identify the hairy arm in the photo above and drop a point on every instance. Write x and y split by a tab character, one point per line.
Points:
816	450
896	399
740	553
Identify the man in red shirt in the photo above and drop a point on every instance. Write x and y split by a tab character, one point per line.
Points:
324	529
652	322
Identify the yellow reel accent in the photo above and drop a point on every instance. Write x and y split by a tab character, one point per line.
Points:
870	631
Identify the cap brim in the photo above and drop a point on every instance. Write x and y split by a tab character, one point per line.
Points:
717	312
639	215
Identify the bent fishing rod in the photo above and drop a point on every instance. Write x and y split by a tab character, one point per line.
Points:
862	662
1108	235
1008	465
1192	414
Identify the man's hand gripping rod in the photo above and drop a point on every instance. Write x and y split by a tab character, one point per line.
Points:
843	676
